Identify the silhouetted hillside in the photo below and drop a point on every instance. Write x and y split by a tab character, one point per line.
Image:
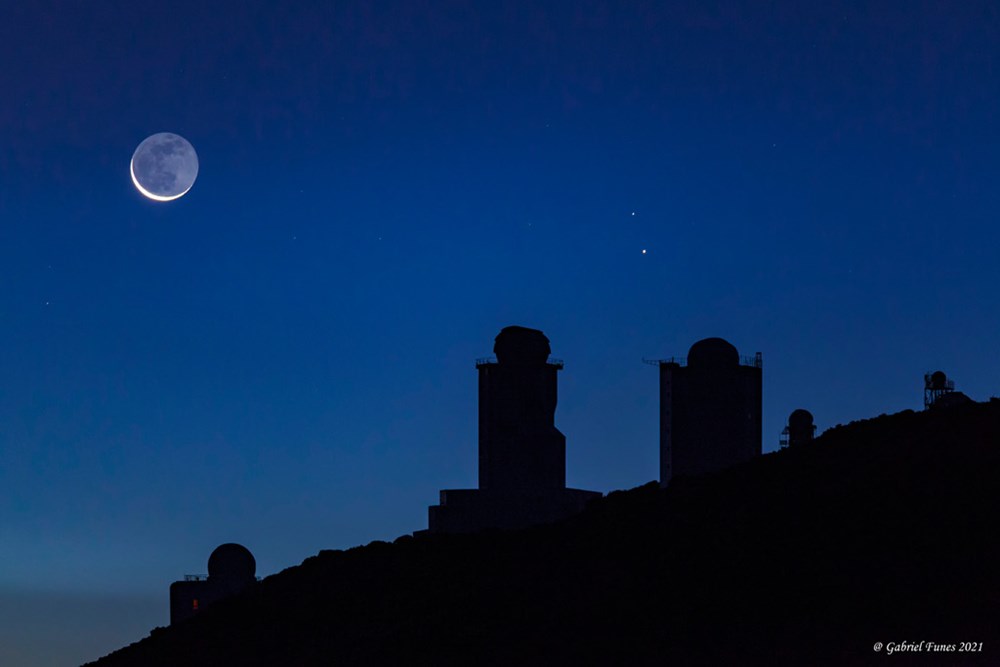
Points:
882	531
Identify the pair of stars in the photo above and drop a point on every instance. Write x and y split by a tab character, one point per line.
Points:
643	250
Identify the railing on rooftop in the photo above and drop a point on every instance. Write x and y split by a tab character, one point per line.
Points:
203	577
755	361
488	361
680	361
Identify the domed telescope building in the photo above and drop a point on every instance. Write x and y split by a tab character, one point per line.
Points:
710	409
231	568
522	455
800	429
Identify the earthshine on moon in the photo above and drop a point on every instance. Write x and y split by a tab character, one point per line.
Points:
164	166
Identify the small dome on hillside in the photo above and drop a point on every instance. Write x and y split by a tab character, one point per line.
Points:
232	561
801	418
938	380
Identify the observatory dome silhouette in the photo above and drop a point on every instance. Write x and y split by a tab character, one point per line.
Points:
232	561
231	569
938	380
937	387
713	353
800	419
520	346
800	429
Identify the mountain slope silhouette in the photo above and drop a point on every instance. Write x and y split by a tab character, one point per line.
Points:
883	530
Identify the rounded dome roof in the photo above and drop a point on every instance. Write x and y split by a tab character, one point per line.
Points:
800	417
938	380
713	353
521	346
232	561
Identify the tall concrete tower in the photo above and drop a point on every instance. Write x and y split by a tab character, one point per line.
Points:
519	445
522	455
710	410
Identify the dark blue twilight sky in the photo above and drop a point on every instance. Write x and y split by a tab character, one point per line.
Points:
285	356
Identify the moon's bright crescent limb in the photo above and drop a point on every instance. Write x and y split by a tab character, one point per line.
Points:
147	193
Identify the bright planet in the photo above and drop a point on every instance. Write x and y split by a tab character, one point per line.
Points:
164	166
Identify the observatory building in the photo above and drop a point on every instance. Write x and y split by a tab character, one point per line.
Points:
710	409
936	385
522	455
800	429
939	392
231	568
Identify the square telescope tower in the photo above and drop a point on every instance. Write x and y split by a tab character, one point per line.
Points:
522	455
710	410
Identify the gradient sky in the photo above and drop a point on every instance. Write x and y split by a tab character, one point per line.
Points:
285	356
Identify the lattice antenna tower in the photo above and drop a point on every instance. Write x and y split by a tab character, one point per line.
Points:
936	385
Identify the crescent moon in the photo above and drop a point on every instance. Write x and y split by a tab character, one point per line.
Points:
147	193
164	167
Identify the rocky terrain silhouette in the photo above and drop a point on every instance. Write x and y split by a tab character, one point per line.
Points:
883	530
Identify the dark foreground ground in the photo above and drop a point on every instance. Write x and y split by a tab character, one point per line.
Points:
886	530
